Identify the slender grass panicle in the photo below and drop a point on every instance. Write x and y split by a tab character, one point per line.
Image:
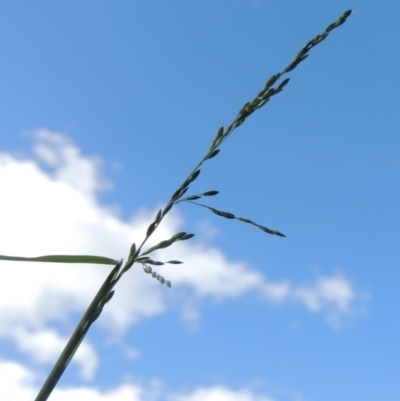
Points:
136	255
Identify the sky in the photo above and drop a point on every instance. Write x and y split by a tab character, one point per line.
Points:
106	108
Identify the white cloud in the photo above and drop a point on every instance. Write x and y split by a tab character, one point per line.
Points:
20	383
220	393
334	294
44	346
17	382
80	172
131	353
121	393
58	213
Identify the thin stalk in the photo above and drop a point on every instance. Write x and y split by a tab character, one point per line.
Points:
91	314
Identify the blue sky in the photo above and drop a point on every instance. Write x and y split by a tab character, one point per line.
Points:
106	107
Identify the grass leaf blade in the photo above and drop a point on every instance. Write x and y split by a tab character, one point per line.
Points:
101	260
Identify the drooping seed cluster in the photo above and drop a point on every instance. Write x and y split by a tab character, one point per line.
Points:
154	274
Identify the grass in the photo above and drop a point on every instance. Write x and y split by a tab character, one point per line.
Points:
136	255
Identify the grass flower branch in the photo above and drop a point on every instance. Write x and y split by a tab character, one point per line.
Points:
136	255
